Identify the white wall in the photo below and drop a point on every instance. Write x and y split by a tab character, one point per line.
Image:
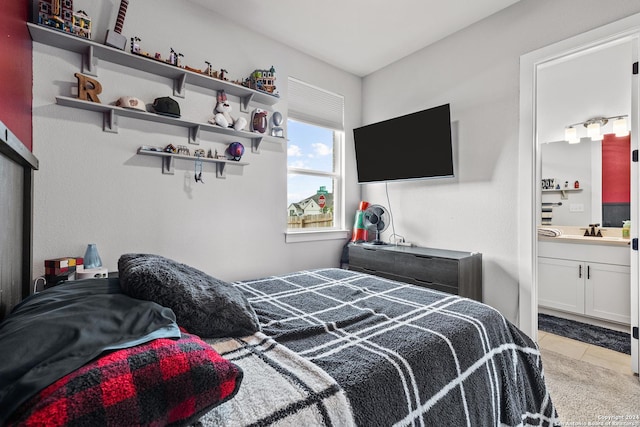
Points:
93	188
477	71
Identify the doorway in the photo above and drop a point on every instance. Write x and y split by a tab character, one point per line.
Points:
530	198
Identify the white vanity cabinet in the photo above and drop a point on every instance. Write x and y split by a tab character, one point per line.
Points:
590	279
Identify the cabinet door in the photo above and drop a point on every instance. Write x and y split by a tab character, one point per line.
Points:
608	292
561	284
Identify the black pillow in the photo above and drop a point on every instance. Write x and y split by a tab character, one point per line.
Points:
203	305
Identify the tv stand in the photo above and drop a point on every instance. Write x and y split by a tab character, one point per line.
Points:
455	272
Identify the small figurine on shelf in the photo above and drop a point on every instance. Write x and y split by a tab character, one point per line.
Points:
222	73
173	57
135	45
209	71
223	117
276	129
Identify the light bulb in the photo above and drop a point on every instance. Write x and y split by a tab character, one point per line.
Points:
620	127
593	131
571	135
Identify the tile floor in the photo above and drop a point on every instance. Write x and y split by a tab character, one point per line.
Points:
593	354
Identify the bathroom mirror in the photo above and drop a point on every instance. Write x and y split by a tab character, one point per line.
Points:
591	182
590	84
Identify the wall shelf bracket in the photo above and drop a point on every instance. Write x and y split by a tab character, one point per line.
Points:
167	165
89	62
179	85
220	172
194	135
255	144
244	102
110	121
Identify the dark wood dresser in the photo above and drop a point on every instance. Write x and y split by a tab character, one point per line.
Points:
455	272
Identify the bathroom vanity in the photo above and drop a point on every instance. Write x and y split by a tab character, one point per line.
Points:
585	276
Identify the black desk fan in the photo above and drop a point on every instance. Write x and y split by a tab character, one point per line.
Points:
376	218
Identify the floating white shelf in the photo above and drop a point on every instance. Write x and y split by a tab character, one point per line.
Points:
92	51
112	112
563	191
168	158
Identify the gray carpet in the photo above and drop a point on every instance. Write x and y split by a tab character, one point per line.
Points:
584	393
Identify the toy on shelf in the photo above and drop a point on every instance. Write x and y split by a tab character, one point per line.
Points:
115	38
235	150
259	120
81	25
183	150
276	129
263	80
216	155
58	14
222	115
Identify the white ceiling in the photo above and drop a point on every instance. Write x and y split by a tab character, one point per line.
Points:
358	36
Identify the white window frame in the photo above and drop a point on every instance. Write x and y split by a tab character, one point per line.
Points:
338	231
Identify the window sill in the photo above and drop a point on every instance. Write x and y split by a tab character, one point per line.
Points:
315	235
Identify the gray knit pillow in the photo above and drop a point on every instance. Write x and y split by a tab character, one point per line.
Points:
203	305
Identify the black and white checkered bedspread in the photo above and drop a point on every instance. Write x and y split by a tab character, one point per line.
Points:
406	355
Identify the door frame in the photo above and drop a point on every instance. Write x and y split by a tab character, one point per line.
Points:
529	164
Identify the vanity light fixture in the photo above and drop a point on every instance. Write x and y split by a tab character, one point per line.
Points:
594	128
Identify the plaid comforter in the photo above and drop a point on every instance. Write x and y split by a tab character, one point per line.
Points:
279	388
406	355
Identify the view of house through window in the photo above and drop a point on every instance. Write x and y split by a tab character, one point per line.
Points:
315	133
312	175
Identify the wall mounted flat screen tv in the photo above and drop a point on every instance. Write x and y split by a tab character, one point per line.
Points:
413	146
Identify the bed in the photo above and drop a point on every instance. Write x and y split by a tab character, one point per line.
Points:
325	347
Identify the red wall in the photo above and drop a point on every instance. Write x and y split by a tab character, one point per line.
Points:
616	169
16	73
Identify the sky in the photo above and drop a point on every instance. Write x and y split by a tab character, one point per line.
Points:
309	147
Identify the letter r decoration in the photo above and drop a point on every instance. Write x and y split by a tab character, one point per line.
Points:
88	88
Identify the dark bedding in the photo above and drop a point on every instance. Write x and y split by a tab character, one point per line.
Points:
406	355
48	335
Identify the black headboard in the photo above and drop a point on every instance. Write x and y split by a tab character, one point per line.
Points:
17	164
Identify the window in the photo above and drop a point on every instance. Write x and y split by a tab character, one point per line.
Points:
314	159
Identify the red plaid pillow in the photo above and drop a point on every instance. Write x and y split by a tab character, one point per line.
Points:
163	382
